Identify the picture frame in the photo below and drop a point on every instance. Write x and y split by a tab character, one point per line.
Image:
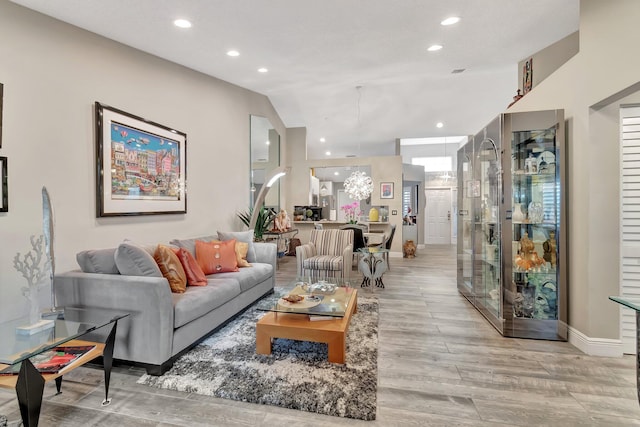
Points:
141	165
386	190
4	187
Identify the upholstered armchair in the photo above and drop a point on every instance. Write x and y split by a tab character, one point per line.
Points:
328	254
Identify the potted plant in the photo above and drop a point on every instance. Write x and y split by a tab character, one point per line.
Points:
352	212
265	218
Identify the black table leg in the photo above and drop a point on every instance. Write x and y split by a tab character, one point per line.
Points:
107	359
29	389
58	385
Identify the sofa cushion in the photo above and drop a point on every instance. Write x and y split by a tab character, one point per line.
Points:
195	275
241	236
199	300
133	260
98	261
241	254
190	244
323	262
248	277
217	257
171	268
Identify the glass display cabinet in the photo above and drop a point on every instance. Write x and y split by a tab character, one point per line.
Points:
534	239
466	211
487	266
511	229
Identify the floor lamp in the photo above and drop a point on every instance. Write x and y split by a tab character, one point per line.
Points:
276	174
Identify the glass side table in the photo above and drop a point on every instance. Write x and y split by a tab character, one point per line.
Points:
66	330
373	265
634	304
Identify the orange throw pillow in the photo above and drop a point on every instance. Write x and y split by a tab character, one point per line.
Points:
217	257
241	254
171	268
195	275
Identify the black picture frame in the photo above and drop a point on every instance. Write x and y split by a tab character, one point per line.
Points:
4	186
1	103
141	165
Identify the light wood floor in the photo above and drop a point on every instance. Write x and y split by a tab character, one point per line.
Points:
440	363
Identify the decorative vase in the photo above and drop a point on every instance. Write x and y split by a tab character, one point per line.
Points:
518	214
409	249
536	212
373	215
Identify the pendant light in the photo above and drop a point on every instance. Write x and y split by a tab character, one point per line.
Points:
358	186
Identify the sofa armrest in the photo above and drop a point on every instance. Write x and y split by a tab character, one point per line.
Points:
303	252
347	261
266	253
145	336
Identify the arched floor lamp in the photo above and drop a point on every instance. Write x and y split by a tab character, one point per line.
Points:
276	174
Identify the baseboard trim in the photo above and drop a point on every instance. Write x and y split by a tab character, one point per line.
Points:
595	346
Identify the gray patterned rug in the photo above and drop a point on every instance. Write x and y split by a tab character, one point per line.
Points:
296	375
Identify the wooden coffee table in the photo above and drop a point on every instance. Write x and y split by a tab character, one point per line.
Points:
288	321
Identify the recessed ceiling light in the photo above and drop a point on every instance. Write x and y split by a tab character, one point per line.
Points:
450	20
182	23
439	124
268	142
233	53
336	173
322	140
434	47
328	153
262	70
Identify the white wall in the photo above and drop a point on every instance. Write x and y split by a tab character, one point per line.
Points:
604	67
52	74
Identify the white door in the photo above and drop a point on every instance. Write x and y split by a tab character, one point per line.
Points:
438	217
629	221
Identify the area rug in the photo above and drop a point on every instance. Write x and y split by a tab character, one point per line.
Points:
296	375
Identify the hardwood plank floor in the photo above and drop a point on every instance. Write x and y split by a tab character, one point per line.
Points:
440	364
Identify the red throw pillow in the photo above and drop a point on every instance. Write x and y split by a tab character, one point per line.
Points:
195	275
217	257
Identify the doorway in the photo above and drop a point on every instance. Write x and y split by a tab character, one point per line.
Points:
438	216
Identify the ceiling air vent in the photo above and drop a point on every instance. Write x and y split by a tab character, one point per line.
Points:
458	71
350	155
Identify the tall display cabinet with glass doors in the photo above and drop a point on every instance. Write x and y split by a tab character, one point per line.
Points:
512	190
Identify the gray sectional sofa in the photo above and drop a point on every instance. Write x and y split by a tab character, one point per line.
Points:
162	324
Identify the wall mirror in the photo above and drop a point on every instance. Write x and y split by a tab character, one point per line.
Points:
326	191
265	157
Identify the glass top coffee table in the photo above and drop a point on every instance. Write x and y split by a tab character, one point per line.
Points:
322	314
319	298
64	331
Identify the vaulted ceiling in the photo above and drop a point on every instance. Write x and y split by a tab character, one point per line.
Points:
354	72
